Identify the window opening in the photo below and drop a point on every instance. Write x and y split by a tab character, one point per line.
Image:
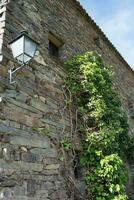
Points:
54	45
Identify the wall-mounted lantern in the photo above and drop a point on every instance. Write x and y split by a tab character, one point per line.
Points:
23	48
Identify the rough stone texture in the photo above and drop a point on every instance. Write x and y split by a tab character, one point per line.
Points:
2	24
29	162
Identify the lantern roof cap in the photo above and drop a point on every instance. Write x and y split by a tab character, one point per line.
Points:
22	33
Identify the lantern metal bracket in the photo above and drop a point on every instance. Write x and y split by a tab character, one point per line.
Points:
12	71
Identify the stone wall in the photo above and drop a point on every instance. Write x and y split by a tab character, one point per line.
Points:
3	4
29	162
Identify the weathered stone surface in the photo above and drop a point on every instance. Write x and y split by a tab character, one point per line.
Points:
47	185
29	162
50	172
51	153
52	166
30	157
31	141
20	117
19	165
12	131
23	106
6	193
31	187
23	149
8	183
42	106
6	153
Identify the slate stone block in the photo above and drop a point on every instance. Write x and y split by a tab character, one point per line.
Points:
31	188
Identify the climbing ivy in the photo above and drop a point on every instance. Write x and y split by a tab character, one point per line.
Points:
65	143
103	125
42	131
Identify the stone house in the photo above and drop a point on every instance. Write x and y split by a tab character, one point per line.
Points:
33	116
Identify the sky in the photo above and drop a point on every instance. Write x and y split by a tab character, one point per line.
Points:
116	19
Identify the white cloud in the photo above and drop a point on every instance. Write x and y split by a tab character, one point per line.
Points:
119	28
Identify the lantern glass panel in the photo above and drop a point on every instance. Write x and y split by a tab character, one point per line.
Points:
23	48
17	47
30	47
23	59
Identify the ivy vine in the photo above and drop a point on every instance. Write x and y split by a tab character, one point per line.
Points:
103	125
